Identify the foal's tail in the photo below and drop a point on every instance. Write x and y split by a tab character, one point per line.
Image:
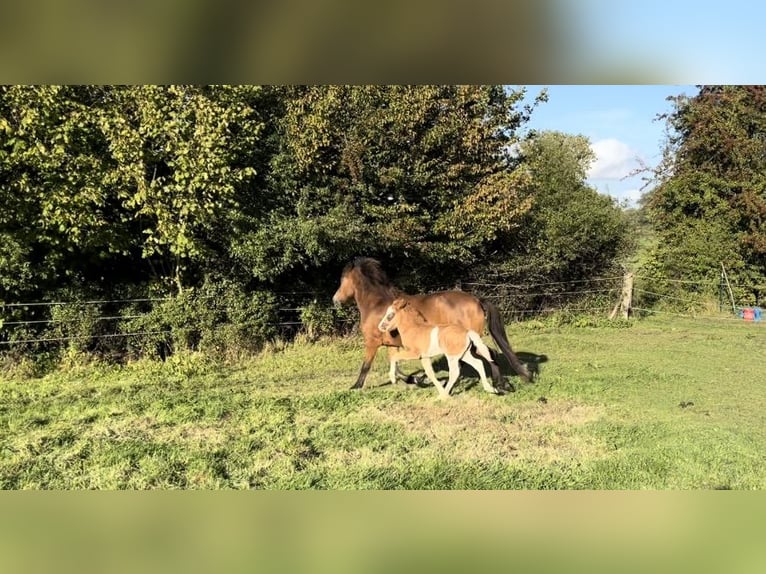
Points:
497	330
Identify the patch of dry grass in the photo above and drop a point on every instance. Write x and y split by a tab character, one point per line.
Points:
469	428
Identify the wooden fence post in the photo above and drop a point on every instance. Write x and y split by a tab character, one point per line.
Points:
731	295
625	303
627	296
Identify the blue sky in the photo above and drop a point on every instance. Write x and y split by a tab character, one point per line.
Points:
620	123
700	41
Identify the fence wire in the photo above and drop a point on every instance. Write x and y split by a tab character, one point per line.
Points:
514	300
596	295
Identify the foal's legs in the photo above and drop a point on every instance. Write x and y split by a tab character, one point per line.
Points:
454	372
396	354
497	377
392	369
429	369
479	367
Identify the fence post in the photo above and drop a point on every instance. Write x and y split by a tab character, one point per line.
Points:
627	296
731	295
625	302
721	295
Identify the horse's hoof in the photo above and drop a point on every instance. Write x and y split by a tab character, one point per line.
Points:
355	387
415	380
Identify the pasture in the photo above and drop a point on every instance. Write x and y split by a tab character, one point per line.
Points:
657	403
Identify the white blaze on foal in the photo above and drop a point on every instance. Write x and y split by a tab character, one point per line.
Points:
422	340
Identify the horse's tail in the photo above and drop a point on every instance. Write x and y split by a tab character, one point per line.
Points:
480	346
497	330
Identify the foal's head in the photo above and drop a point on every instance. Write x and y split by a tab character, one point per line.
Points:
390	320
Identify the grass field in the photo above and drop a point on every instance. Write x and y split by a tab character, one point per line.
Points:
657	404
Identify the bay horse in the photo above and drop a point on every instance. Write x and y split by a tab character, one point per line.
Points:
365	281
423	340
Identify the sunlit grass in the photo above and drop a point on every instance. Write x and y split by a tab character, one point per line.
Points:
661	404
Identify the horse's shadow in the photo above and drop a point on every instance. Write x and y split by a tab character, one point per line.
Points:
416	376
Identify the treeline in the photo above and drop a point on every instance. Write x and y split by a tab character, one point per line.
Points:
708	206
188	214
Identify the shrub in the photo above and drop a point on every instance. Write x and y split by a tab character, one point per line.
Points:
219	318
322	320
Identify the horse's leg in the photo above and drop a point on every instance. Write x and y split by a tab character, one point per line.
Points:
369	355
497	378
398	371
454	372
478	366
429	369
396	355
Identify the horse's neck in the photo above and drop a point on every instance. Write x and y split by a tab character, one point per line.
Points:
372	303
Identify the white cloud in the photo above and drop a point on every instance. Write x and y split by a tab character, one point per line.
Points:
614	159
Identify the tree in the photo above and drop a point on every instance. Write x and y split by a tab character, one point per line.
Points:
101	180
57	216
178	168
571	232
403	172
710	202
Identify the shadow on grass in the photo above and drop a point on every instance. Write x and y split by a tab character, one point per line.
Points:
531	361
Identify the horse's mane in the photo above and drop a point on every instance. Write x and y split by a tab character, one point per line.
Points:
372	273
413	310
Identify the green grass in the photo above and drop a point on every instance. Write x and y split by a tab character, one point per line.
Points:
658	404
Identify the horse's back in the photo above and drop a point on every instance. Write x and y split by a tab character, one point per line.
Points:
451	307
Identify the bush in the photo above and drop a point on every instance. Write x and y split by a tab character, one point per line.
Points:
234	321
220	318
322	320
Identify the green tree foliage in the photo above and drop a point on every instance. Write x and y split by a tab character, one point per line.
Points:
710	203
178	166
55	201
406	173
209	194
571	232
94	177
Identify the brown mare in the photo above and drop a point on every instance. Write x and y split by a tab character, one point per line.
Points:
423	341
365	281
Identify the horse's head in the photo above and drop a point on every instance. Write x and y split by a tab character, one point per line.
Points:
347	288
390	319
361	277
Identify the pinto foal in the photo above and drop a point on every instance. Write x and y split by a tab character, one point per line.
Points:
422	340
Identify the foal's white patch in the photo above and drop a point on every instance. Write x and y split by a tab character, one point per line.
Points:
433	348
